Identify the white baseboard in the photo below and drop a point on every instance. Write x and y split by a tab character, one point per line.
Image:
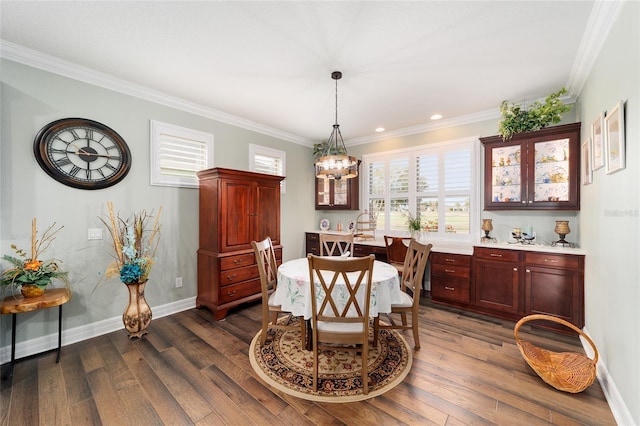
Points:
78	334
614	399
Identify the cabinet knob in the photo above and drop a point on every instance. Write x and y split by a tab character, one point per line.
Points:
449	260
551	260
449	288
450	270
495	255
231	277
238	261
515	269
528	271
231	293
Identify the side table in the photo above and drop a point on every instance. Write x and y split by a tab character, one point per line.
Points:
18	304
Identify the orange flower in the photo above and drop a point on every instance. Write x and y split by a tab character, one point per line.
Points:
33	265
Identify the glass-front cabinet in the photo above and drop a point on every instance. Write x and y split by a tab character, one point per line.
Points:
533	170
341	194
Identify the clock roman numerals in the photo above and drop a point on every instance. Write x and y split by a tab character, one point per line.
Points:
82	153
61	162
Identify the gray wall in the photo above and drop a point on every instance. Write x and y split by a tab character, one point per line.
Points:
31	98
611	212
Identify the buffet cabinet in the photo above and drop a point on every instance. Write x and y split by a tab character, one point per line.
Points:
450	277
533	170
312	246
236	208
511	284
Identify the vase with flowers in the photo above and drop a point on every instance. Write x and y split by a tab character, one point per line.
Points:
134	246
29	272
415	225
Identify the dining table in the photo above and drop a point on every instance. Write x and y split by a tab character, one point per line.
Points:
293	292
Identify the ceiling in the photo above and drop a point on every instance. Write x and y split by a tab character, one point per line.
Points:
269	63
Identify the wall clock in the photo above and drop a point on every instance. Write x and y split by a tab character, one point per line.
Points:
82	153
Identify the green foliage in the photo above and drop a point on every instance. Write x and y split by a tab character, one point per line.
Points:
320	148
515	119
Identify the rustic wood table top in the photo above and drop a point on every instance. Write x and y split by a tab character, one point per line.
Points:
18	304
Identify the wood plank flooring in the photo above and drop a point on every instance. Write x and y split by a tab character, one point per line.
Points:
192	370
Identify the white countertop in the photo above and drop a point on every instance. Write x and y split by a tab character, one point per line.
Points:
458	248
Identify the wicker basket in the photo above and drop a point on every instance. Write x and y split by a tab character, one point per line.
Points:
565	371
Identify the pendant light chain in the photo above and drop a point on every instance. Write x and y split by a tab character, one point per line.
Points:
337	165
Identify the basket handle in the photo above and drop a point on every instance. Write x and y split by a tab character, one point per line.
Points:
559	321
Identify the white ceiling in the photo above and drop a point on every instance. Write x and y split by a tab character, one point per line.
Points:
270	62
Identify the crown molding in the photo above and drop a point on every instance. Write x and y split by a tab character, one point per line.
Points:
39	60
602	18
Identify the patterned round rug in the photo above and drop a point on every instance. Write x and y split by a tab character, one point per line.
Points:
284	364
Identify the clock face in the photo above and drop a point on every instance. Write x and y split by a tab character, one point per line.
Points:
82	153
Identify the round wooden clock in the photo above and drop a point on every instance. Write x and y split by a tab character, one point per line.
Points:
82	153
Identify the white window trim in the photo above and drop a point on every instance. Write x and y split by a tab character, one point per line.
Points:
157	129
269	152
439	238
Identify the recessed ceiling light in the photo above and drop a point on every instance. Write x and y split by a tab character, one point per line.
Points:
436	116
379	129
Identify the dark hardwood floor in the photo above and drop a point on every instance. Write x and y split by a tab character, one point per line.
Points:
190	369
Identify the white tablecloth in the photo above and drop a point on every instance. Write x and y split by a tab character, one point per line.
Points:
292	292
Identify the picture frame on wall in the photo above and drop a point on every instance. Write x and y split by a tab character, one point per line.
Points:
615	143
598	145
587	161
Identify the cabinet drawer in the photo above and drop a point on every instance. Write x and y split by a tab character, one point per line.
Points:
450	270
239	290
450	289
554	260
237	275
450	259
239	261
496	254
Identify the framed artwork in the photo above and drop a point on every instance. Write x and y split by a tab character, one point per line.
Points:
597	138
614	130
587	171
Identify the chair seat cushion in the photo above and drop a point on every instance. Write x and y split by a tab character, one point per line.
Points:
407	302
334	327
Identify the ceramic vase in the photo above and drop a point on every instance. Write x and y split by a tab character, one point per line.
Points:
137	315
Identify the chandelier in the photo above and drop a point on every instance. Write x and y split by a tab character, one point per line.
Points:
334	162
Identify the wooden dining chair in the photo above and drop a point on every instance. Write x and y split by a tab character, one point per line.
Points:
268	270
336	245
415	263
334	326
397	251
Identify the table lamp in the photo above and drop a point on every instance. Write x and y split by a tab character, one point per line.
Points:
487	227
562	229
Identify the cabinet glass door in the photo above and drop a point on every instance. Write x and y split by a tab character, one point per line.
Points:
340	188
551	173
323	192
506	174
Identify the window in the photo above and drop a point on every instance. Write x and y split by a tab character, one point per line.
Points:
269	161
177	153
434	182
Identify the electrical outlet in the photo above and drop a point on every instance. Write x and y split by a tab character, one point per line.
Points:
178	282
94	234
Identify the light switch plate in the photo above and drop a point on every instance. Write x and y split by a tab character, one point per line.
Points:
94	234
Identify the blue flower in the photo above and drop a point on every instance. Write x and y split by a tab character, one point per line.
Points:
130	273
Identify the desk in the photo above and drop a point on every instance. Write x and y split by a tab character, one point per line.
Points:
18	304
292	293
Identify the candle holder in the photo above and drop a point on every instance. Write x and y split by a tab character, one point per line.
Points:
562	229
487	227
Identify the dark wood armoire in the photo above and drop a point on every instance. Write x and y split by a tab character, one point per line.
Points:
236	207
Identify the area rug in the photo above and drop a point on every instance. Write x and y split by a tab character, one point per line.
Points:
284	364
